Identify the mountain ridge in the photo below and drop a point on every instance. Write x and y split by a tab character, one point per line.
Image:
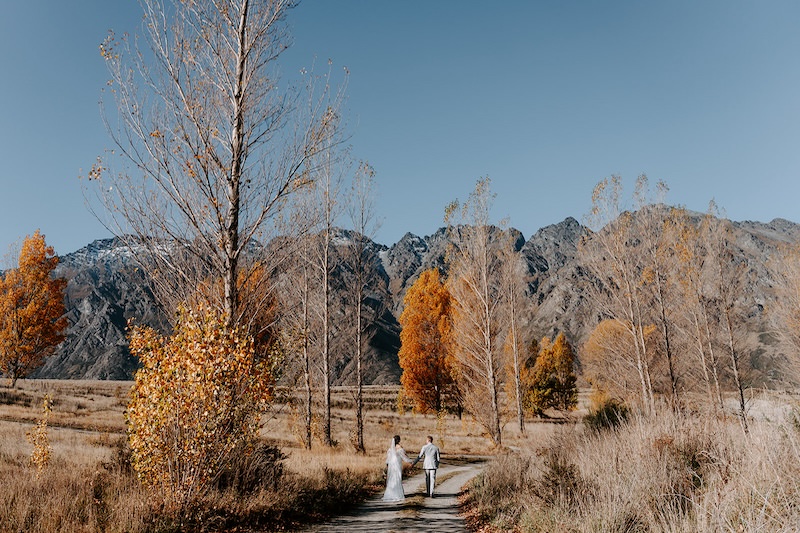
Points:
106	288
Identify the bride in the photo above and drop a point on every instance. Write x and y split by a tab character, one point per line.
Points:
395	456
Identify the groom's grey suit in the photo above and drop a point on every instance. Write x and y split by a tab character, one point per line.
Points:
431	454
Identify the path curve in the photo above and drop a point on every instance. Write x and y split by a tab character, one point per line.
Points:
416	513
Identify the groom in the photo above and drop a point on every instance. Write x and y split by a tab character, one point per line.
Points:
431	454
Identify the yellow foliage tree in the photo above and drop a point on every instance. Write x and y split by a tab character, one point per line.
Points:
31	309
610	361
425	345
196	403
552	383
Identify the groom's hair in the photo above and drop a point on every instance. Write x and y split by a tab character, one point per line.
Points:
430	439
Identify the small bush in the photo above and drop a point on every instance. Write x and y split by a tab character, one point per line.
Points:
494	495
195	406
261	469
609	414
561	484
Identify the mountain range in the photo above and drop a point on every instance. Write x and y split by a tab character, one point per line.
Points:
106	288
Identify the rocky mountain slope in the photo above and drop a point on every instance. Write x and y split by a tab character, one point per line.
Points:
105	289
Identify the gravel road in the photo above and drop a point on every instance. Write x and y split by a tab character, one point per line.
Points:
416	513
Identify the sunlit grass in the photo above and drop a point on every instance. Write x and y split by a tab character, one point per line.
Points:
664	473
89	487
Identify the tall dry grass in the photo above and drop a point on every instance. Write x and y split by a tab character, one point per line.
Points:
88	485
106	497
670	473
69	495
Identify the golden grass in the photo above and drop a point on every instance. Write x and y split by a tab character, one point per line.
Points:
87	489
665	473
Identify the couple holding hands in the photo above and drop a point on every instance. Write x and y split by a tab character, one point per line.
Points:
396	456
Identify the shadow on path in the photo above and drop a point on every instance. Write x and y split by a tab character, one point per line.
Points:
417	513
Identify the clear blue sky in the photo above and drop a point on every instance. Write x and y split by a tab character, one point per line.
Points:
546	98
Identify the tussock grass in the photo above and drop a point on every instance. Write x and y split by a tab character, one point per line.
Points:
90	487
666	473
257	494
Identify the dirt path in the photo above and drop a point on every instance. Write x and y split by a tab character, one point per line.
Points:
416	513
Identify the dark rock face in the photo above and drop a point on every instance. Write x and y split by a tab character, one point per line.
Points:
105	289
554	278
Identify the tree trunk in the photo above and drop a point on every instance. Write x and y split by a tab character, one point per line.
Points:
326	356
719	403
515	355
673	378
235	177
358	298
307	362
359	378
735	368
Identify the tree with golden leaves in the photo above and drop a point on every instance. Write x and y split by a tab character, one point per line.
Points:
32	317
610	361
196	403
425	345
553	383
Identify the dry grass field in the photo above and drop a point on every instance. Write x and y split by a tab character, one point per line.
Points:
87	488
667	473
673	472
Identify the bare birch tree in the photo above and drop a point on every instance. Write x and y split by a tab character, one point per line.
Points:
213	142
657	239
297	286
477	296
326	192
729	276
362	216
610	254
514	298
695	267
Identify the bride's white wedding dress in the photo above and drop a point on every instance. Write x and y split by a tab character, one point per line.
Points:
395	456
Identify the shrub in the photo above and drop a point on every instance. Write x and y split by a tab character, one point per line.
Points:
561	483
261	469
39	437
495	494
609	414
195	405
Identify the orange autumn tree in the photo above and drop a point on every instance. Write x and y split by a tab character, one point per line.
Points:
32	317
425	345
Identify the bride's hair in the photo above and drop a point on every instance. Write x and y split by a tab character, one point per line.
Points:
396	439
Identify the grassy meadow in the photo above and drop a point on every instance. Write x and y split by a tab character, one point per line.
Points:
88	485
688	472
673	472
